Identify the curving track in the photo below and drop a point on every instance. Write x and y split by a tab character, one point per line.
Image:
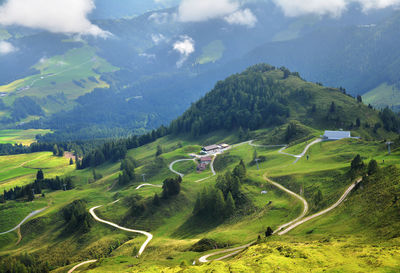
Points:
305	204
341	200
281	151
285	228
147	184
79	265
32	214
149	235
176	161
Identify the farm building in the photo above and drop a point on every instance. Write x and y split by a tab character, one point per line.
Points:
336	135
206	160
211	148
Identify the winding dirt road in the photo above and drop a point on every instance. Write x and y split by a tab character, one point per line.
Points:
281	151
149	235
176	161
79	265
236	250
341	200
32	214
285	228
305	204
147	184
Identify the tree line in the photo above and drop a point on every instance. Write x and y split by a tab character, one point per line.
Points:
24	263
28	191
13	149
117	149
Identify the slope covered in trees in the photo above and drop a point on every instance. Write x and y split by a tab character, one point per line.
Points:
264	96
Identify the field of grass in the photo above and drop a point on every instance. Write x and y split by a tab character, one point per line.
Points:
73	74
173	226
212	52
383	96
24	137
18	170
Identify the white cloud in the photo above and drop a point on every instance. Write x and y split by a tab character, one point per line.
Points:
203	10
158	38
58	16
160	17
377	4
329	7
228	10
242	17
6	48
185	46
300	7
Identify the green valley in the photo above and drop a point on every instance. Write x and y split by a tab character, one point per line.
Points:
59	81
277	171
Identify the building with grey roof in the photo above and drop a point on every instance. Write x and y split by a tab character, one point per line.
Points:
336	135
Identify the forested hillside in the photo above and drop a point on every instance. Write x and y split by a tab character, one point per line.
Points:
359	57
264	96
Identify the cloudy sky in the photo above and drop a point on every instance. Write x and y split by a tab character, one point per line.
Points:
71	16
58	16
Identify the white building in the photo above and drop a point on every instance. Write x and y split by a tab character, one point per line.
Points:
336	135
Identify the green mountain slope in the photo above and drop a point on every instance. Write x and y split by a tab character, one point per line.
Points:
232	208
384	96
61	80
264	96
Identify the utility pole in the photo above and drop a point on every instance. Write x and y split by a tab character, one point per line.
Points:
256	160
144	180
388	144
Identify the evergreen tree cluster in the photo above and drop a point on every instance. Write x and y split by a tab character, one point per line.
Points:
221	201
36	187
24	263
171	187
24	107
390	120
128	171
357	164
13	149
117	149
77	217
249	100
58	151
358	167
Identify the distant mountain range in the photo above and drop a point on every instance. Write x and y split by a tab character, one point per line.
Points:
149	83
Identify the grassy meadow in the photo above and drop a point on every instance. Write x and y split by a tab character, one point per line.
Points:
24	137
73	74
326	242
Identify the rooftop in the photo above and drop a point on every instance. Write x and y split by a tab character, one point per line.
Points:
336	135
211	147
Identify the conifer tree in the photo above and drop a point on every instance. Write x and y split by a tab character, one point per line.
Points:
159	150
372	167
229	205
40	175
219	204
156	200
